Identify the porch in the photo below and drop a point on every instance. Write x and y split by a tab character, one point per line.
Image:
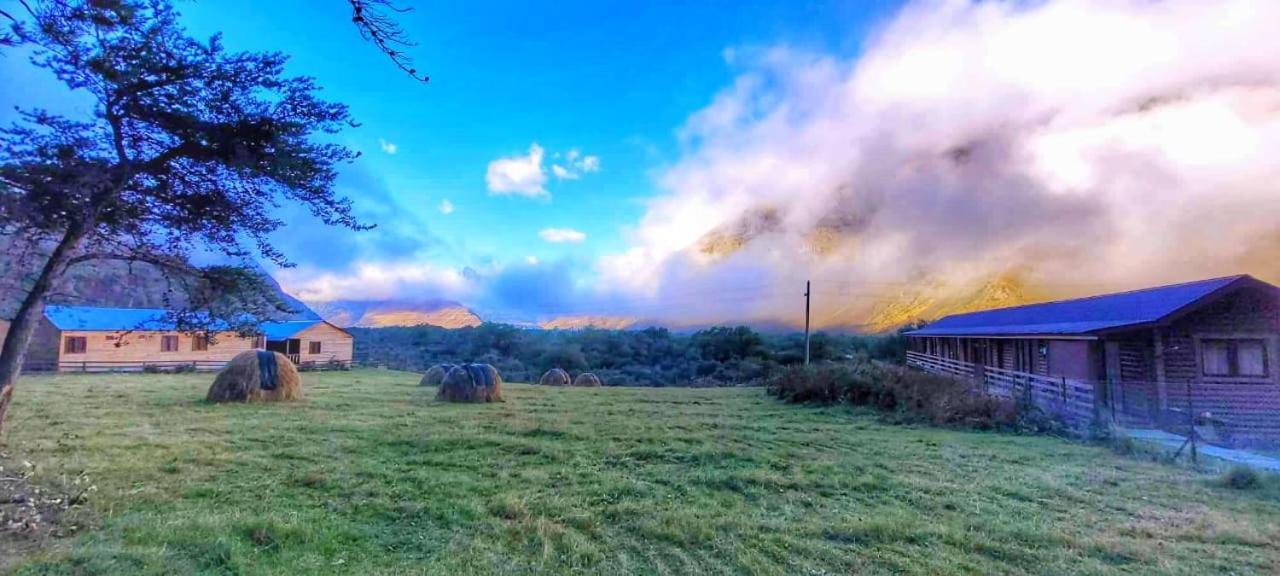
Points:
1073	400
290	347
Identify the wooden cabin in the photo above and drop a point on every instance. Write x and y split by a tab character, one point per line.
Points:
310	342
93	339
1151	357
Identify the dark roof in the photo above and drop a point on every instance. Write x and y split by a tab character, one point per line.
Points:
1083	316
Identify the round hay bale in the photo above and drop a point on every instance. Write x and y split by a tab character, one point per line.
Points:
555	377
241	380
435	375
587	380
493	381
471	383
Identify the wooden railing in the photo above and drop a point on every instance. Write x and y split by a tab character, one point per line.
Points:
92	366
940	365
1072	400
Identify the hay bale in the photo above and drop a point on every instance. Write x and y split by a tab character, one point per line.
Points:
471	383
435	375
241	380
587	380
555	377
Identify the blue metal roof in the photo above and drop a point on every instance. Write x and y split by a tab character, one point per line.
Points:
285	330
1082	316
90	318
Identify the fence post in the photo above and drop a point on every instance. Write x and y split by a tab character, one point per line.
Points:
1064	389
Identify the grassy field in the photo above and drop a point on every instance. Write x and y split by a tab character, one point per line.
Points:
370	475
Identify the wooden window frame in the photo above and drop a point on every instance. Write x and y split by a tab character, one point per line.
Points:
200	343
1269	347
164	341
67	347
314	347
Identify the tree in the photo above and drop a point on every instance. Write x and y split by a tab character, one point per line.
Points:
188	148
375	20
722	343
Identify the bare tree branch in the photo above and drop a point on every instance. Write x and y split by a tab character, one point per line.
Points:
376	21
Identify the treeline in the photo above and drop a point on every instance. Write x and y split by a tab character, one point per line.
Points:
721	356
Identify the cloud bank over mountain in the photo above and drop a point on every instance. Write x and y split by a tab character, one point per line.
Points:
1076	145
997	151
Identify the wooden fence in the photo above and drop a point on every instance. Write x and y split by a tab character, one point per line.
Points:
164	366
1072	400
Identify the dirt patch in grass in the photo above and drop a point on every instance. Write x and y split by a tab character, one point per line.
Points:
32	518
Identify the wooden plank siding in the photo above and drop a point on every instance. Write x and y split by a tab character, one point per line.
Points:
1249	407
336	345
107	350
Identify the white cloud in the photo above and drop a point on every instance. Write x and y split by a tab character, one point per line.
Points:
518	175
388	147
376	281
974	139
531	260
563	173
561	235
576	165
446	207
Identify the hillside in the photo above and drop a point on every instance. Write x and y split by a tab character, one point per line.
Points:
117	284
372	476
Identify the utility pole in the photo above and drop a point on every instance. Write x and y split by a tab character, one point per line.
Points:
806	322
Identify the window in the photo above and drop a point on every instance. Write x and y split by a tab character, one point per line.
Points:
75	345
168	343
1246	358
313	347
260	342
200	343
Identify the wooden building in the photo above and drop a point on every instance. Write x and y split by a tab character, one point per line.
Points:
82	338
310	341
1150	357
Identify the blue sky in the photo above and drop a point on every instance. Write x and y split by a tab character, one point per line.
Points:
897	155
614	82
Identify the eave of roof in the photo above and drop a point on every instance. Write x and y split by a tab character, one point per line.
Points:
1084	317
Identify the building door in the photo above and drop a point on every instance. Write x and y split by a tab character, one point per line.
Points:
1131	399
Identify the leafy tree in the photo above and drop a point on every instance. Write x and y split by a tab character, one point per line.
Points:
188	148
568	357
723	343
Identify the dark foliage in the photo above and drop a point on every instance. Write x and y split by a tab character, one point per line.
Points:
907	395
649	357
1242	477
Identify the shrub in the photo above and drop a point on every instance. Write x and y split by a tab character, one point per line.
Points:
910	395
1242	477
175	369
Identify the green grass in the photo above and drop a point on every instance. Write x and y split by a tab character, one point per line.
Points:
370	475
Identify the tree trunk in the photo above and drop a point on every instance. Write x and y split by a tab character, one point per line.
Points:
29	314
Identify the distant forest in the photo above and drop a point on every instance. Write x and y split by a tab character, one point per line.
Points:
721	356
